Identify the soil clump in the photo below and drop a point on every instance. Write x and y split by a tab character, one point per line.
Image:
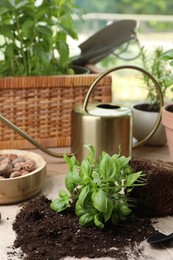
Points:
154	199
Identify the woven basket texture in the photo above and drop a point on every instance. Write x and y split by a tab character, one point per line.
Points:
41	106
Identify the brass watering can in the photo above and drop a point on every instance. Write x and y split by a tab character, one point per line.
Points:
105	126
108	127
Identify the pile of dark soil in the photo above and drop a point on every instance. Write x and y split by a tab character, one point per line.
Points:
45	235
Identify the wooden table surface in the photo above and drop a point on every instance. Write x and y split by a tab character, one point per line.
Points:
56	169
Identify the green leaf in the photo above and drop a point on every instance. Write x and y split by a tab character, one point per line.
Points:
6	4
101	156
96	178
45	31
71	161
83	195
85	169
61	2
117	164
108	213
87	208
124	161
132	178
69	181
9	51
28	28
118	188
6	31
79	210
67	26
86	219
127	170
72	179
44	58
59	204
98	222
3	10
21	4
114	217
63	51
120	183
63	194
107	167
124	210
167	55
100	200
91	157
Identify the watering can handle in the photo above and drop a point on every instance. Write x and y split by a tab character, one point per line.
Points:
144	72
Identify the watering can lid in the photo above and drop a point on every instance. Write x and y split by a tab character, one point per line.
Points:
104	110
103	42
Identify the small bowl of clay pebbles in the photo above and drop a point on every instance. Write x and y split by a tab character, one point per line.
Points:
22	175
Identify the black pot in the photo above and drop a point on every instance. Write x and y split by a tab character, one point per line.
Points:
80	69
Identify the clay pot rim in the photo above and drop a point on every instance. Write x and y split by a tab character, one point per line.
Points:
166	106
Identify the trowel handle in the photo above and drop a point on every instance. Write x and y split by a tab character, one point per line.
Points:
150	76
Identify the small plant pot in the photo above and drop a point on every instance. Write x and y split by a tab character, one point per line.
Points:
143	122
167	121
80	69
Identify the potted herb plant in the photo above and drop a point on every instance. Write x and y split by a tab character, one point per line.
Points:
38	87
35	37
145	114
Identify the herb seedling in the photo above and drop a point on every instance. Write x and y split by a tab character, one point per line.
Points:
100	189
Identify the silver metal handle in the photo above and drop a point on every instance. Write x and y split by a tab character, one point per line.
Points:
85	103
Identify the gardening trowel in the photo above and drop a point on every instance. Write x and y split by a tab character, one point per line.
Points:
105	41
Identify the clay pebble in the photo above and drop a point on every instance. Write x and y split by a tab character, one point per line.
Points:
12	166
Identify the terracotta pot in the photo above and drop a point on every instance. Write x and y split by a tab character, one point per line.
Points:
167	121
143	122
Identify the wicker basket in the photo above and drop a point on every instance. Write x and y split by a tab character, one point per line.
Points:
41	106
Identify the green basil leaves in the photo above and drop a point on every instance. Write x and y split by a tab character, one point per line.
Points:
99	189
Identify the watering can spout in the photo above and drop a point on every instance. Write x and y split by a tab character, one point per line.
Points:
30	139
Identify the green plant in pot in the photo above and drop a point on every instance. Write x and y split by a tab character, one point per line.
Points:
35	37
154	62
145	114
35	71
